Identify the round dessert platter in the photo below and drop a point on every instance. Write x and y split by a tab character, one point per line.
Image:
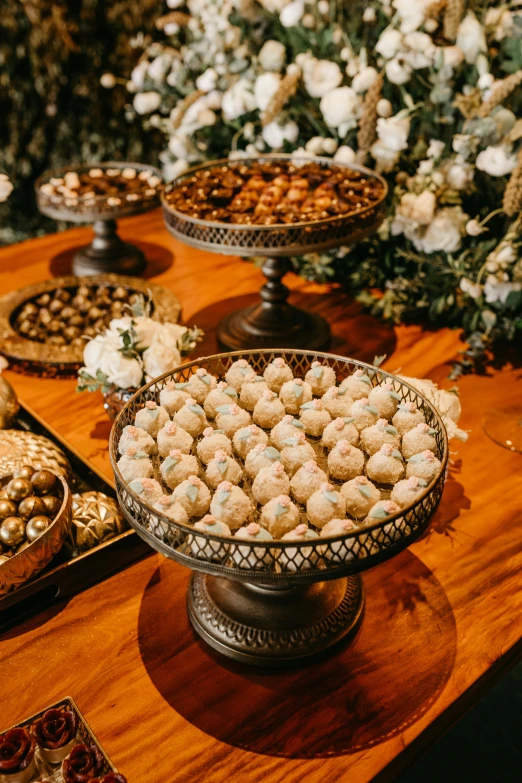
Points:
274	207
300	458
42	325
100	194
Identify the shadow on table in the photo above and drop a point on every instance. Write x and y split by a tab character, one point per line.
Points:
159	259
371	691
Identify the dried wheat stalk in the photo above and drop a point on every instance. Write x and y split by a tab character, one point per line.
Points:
287	90
499	94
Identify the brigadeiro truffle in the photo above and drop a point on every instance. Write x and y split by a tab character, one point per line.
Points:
194	496
279	516
223	394
419	438
277	373
223	468
237	373
299	558
168	505
360	495
315	417
135	437
386	466
148	489
341	428
231	418
269	410
385	399
295	393
357	385
151	418
191	417
177	467
372	438
286	428
325	504
252	390
247	438
203	548
320	377
212	442
230	505
307	480
340	551
256	557
270	482
345	461
424	465
337	402
407	417
364	414
260	457
135	464
173	397
408	490
172	436
381	510
200	384
296	452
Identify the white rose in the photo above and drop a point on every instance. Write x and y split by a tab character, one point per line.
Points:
498	288
146	102
238	100
471	39
272	56
138	74
344	154
389	43
394	132
339	106
6	187
364	79
495	161
120	371
460	175
474	290
329	146
292	13
146	329
452	56
206	82
425	167
321	77
421	50
275	134
96	348
162	356
265	88
444	232
384	108
398	71
435	148
159	67
411	13
385	158
419	209
315	145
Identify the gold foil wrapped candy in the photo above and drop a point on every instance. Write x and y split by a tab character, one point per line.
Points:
95	518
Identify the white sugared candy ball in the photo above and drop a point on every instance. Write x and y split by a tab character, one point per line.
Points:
151	418
419	438
171	508
287	428
200	384
296	452
299	558
385	399
364	414
172	436
230	505
261	456
315	417
191	417
247	438
204	549
372	438
357	385
270	482
148	489
380	511
407	417
212	442
360	495
386	466
223	394
177	467
307	480
408	490
320	377
337	402
340	551
269	410
135	438
223	468
252	557
279	516
237	373
424	465
277	373
325	504
295	393
345	461
230	418
173	396
194	496
252	390
341	428
135	464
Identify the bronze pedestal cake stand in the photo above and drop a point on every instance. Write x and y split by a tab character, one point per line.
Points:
274	322
278	603
107	252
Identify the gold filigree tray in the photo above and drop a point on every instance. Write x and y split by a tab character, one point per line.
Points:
51	361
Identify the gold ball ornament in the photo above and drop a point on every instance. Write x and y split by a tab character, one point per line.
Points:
36	526
8	403
25	471
95	518
52	505
12	531
32	506
18	489
44	482
7	509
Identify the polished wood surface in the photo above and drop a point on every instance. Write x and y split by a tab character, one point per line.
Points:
443	619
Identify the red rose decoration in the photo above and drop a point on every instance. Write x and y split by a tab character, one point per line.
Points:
16	751
56	728
82	764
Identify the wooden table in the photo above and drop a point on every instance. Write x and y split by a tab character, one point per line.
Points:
443	619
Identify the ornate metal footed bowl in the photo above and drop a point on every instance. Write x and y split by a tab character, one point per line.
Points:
279	603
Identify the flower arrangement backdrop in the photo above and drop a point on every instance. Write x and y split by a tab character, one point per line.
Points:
427	92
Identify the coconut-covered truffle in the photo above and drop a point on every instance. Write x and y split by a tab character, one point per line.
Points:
204	549
194	496
230	505
191	417
337	402
360	495
212	442
345	461
171	508
372	438
424	465
358	385
151	418
407	417
320	377
296	452
307	480
340	551
295	393
299	558
177	467
279	516
148	488
200	384
325	504
223	394
252	390
408	490
315	417
341	428
237	373
172	436
135	464
364	414
419	438
261	456
252	557
247	438
269	410
286	428
173	396
223	468
380	511
386	466
277	373
385	399
135	438
270	482
230	418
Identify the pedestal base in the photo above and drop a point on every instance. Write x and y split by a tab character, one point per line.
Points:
275	626
107	253
248	329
